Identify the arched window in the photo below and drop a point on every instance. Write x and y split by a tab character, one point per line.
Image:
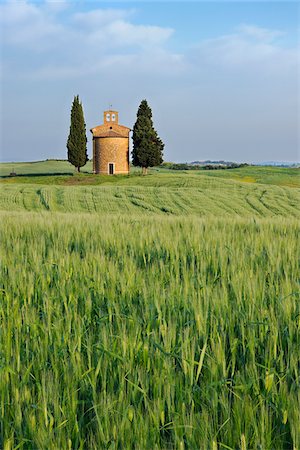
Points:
113	117
107	117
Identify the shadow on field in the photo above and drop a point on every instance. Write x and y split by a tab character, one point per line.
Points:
49	174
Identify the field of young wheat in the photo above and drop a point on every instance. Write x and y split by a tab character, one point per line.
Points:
158	312
167	195
145	329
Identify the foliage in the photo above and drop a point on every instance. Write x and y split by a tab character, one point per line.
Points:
147	146
187	166
76	144
148	332
225	166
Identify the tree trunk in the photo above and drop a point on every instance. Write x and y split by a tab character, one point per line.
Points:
144	170
78	169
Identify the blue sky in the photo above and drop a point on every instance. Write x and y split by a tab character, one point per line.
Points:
222	78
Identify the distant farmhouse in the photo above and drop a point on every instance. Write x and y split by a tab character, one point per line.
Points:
111	146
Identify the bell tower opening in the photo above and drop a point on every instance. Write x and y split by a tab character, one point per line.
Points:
111	117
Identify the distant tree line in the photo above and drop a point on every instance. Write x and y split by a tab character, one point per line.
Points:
186	166
221	166
207	162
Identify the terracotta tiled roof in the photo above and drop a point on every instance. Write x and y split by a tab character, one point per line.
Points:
110	131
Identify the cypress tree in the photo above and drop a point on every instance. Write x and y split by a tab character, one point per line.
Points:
76	144
147	146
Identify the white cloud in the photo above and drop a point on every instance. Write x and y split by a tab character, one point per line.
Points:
249	48
83	43
86	42
261	34
25	24
157	62
100	17
125	33
56	6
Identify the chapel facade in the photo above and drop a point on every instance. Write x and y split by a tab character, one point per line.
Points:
110	146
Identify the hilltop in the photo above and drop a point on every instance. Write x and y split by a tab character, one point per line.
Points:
244	192
61	172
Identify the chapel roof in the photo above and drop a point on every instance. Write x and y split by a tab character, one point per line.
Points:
110	131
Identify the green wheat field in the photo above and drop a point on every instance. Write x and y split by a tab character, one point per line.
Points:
157	312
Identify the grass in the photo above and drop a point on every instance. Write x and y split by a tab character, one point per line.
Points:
152	312
201	196
50	166
62	173
280	176
149	332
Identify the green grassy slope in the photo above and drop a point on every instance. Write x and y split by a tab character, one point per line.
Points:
202	196
241	192
281	176
50	166
61	172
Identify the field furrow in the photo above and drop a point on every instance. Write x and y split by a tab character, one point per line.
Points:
232	199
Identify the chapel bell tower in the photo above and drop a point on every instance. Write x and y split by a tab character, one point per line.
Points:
111	117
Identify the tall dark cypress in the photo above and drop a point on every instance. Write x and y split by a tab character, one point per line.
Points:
147	146
76	144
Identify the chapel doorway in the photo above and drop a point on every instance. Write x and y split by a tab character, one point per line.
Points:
111	168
